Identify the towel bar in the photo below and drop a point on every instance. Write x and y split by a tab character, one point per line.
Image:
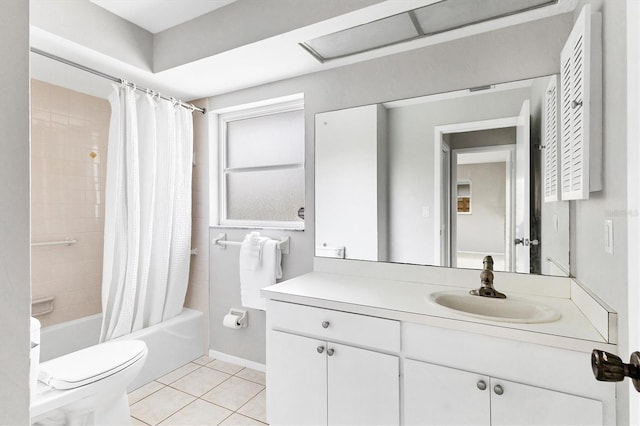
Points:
221	241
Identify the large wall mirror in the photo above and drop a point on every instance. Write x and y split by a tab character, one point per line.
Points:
441	180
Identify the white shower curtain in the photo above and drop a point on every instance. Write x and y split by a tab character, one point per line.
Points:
147	232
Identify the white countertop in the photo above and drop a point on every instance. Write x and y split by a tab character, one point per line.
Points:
408	301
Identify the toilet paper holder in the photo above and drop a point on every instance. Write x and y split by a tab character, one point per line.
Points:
241	315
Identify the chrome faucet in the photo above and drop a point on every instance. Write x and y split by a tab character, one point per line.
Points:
486	279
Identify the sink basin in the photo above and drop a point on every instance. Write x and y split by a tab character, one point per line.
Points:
511	309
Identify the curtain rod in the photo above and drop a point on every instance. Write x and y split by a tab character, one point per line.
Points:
110	77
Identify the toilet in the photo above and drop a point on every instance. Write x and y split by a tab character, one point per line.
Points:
88	387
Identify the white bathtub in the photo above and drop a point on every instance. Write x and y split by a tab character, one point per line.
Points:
171	343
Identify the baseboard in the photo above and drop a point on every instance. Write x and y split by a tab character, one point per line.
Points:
237	360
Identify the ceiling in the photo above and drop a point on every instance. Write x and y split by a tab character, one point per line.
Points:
67	28
158	15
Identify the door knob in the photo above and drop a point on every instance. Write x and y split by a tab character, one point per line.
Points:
325	324
526	242
608	367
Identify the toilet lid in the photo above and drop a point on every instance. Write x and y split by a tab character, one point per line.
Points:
91	364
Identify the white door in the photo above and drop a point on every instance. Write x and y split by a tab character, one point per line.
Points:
518	404
522	222
363	386
436	395
633	193
297	380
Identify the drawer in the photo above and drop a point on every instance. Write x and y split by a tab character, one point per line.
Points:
327	324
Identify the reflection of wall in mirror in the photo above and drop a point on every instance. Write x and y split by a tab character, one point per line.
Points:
482	231
411	151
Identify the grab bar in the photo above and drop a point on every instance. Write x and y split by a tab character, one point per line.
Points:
55	243
221	240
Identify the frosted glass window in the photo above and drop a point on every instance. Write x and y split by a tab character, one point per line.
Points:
262	166
266	140
275	195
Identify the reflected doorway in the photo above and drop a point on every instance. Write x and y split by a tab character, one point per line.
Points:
504	143
482	182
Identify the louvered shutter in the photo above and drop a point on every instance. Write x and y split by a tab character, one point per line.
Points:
580	133
550	135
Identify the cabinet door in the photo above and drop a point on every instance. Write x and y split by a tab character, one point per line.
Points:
297	380
363	386
436	395
518	404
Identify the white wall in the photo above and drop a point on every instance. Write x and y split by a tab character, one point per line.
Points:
85	23
606	274
483	231
525	51
240	23
15	293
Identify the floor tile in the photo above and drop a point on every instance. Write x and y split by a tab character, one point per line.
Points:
144	391
224	366
256	408
200	381
136	422
239	420
160	405
203	360
253	375
178	373
198	413
233	393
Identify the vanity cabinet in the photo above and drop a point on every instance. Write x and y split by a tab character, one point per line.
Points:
457	377
437	395
331	367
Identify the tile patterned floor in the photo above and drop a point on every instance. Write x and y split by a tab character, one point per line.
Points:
206	391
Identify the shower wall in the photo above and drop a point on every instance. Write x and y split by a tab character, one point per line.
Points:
69	132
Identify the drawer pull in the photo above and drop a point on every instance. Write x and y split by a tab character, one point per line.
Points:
325	324
498	390
320	349
482	385
330	352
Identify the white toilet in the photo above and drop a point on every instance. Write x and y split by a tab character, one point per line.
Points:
88	387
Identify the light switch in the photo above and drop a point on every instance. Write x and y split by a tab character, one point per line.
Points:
426	211
608	236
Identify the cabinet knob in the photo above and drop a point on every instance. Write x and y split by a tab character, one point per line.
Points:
482	385
325	324
576	103
330	351
320	349
498	390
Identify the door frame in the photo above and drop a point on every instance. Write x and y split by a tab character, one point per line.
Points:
439	138
509	152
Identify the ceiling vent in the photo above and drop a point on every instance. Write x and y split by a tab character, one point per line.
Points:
445	15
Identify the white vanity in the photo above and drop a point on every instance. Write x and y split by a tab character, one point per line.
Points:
347	344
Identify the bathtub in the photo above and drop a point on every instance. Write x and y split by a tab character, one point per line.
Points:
171	343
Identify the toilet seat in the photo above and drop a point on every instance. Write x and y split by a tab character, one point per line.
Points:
91	364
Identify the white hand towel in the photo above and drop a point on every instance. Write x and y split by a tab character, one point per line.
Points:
251	250
264	274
